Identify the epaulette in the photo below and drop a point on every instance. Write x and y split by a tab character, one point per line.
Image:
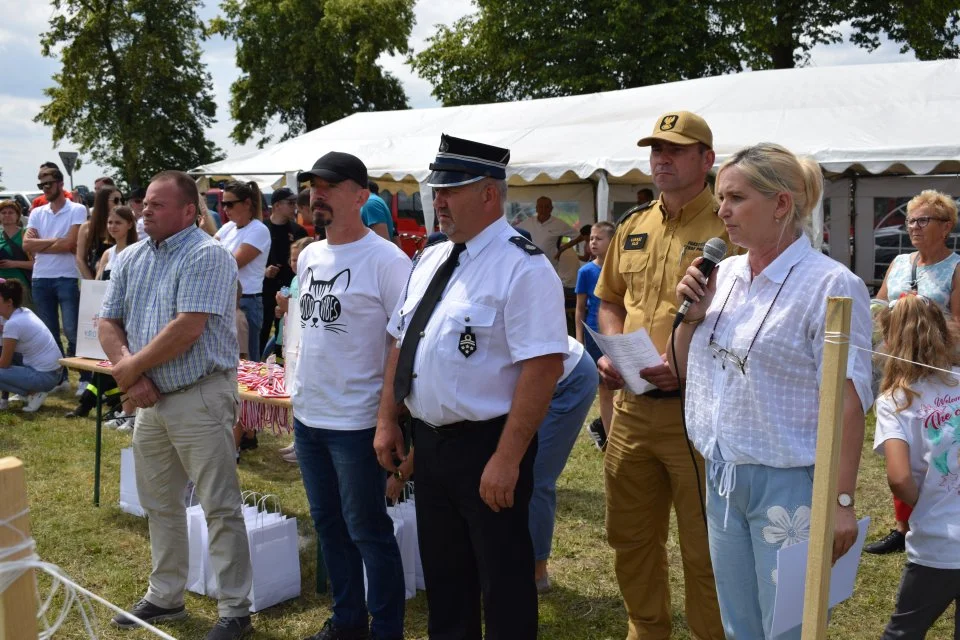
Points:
636	209
526	245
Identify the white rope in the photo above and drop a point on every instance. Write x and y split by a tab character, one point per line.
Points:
836	337
73	593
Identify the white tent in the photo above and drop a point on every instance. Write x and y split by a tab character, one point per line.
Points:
883	119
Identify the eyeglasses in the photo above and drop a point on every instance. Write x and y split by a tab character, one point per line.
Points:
726	355
922	221
44	185
229	204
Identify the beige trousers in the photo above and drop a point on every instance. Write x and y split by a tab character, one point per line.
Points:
188	435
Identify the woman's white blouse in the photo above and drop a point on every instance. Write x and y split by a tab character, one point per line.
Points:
768	414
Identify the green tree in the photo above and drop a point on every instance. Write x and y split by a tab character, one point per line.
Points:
518	49
132	92
307	63
779	34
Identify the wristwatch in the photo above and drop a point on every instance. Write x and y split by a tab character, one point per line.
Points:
845	500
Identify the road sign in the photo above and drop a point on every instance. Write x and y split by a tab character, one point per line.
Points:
69	158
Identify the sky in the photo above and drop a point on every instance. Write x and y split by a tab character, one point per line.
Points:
24	73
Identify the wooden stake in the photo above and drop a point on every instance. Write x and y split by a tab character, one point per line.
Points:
18	604
823	508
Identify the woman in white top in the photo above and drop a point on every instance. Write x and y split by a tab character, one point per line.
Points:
24	334
755	339
248	239
122	229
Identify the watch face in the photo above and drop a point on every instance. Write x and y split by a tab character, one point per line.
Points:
844	499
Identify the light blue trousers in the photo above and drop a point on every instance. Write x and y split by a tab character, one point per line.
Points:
557	434
768	509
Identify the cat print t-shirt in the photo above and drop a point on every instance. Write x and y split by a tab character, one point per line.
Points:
931	428
347	293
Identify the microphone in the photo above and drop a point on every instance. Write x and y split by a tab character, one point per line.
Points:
713	252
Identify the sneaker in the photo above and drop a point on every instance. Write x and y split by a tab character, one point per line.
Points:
34	402
118	421
149	612
62	387
231	629
891	543
286	449
543	584
249	443
599	436
290	457
80	389
15	397
126	424
331	632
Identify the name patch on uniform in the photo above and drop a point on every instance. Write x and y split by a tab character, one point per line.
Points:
635	242
694	246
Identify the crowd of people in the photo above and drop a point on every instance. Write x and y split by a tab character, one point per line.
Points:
462	370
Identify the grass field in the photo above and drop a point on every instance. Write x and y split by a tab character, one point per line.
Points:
108	551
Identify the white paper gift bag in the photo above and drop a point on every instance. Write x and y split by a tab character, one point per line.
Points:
129	499
275	557
408	511
198	549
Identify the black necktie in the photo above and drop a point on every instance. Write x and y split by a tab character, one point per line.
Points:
408	350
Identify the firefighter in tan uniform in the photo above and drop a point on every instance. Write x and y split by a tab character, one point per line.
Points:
648	464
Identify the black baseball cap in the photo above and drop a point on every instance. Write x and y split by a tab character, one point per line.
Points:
137	194
282	194
337	166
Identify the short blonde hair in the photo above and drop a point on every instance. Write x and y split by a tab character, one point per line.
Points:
772	169
943	205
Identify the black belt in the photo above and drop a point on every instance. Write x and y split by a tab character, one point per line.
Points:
463	425
251	295
658	394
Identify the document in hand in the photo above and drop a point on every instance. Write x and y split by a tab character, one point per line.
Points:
629	352
792	579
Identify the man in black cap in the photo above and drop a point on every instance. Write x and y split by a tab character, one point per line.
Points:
349	285
481	339
284	231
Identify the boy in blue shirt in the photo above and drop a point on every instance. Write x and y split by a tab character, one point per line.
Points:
587	305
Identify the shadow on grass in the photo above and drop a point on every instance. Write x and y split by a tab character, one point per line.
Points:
565	613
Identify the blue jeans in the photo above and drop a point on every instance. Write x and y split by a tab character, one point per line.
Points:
346	489
769	509
253	310
24	380
57	299
557	434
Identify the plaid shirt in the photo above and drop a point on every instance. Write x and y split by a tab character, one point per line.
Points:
151	283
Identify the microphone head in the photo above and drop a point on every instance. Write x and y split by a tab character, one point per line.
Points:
715	250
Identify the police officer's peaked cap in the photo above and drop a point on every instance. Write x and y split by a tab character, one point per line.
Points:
461	162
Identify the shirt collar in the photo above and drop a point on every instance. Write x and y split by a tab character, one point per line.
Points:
477	243
175	241
777	270
692	209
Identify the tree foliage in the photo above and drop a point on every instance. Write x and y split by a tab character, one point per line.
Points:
132	92
520	49
310	62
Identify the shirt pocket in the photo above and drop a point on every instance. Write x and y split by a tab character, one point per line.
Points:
686	259
633	270
456	342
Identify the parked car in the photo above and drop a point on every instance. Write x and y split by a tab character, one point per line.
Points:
23	198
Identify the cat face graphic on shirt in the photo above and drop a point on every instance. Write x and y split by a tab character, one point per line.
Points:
319	304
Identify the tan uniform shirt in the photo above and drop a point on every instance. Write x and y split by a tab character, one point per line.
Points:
649	255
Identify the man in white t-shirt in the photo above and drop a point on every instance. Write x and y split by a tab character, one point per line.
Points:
51	238
349	286
547	231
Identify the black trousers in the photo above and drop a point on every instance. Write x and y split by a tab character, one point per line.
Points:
925	593
469	551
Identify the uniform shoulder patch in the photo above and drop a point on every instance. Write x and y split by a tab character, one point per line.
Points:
637	209
526	245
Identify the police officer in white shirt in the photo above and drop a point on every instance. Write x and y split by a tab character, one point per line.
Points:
481	339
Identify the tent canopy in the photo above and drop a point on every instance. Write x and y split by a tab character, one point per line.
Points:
896	118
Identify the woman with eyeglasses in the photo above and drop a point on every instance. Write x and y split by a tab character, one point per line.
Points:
248	239
15	263
93	239
932	272
751	349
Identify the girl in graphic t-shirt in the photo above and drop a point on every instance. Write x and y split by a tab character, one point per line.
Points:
918	431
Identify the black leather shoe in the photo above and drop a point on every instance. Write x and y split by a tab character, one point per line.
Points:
231	629
331	632
148	612
891	543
